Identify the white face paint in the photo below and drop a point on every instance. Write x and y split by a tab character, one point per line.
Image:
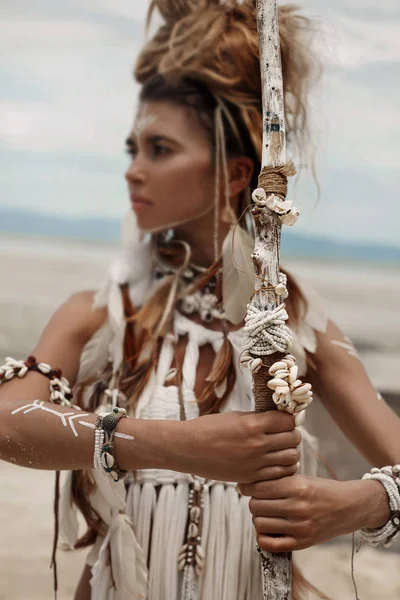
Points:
348	346
144	119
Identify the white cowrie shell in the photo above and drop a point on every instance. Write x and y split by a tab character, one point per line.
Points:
289	363
290	357
291	218
172	373
387	471
181	564
303	397
44	367
301	390
195	513
283	207
293	373
277	398
278	366
193	530
107	460
300	418
259	196
255	365
282	390
280	289
272	202
200	552
274	383
282	374
297	384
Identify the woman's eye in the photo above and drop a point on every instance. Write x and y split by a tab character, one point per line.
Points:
160	150
132	151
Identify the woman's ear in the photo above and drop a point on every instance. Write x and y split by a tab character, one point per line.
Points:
240	170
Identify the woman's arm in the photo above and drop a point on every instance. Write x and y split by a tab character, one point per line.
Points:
308	511
348	394
231	447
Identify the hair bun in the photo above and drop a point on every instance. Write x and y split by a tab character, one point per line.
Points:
175	10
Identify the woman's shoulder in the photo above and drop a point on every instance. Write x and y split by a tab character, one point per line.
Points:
78	316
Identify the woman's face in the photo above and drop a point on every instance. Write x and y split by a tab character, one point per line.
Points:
171	174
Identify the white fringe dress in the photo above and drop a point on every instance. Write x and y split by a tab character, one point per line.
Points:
147	513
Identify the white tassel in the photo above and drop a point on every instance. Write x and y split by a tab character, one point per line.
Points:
189	584
159	543
216	546
233	530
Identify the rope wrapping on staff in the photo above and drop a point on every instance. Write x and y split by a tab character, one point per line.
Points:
274	180
266	332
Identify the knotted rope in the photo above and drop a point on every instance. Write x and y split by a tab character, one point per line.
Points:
266	332
274	180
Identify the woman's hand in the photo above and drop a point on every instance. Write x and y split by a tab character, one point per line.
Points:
236	446
305	511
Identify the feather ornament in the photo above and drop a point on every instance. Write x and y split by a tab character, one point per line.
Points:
237	273
220	380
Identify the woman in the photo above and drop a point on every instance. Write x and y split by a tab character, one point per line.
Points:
163	337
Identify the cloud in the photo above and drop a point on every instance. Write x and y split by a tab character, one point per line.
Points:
67	99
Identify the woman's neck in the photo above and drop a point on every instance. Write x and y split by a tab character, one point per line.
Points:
199	234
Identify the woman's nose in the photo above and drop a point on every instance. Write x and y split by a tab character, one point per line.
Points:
135	173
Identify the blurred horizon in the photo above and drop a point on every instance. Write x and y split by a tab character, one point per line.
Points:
67	99
29	227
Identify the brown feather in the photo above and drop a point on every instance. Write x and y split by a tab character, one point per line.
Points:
222	368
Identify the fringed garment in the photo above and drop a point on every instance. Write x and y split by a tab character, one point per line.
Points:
147	514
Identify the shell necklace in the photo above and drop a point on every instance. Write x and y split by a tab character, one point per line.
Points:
203	302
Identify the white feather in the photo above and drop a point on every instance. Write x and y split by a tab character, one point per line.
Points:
238	273
95	354
69	525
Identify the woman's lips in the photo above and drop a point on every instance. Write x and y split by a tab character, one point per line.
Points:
139	203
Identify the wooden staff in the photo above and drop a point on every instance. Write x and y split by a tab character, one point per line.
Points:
269	211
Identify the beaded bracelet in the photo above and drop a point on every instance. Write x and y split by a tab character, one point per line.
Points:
60	389
104	456
389	477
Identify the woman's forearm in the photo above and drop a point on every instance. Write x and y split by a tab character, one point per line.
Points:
41	435
376	511
228	447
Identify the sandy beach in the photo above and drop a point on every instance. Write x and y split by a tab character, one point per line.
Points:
38	276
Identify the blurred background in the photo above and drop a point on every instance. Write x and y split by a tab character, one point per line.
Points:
67	100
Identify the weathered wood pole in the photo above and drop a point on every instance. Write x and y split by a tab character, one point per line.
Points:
276	568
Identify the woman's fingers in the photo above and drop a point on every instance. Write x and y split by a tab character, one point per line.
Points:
275	421
285	543
269	490
272	526
284	458
271	508
282	441
275	472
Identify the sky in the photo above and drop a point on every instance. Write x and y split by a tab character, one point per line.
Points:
67	100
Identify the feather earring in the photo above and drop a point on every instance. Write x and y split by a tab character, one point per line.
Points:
237	273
